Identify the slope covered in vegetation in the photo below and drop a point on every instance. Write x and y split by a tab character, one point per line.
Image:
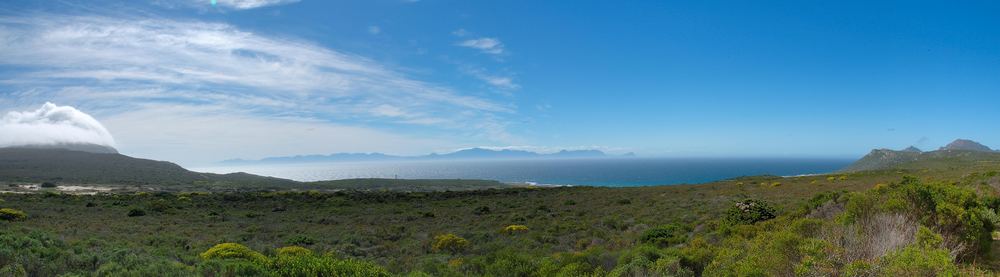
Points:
856	224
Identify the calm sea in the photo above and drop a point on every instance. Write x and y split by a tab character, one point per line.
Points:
593	172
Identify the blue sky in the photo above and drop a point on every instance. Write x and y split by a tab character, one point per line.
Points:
194	83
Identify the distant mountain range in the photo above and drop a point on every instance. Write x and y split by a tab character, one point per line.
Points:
102	165
465	154
958	152
96	164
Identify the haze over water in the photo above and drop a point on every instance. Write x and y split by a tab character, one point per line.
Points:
592	172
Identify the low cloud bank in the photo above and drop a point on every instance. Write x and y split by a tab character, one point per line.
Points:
52	125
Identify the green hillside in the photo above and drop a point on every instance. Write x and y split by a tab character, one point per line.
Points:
865	223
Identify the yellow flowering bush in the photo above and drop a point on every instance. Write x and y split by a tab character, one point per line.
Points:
231	250
294	251
450	242
9	214
514	229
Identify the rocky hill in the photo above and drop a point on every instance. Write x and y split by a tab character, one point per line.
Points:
958	153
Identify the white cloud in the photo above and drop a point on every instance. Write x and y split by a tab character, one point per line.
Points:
250	4
112	66
460	32
374	30
50	125
502	82
486	45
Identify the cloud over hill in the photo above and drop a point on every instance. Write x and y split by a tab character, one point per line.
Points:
51	125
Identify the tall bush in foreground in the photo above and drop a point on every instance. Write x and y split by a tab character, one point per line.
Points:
750	211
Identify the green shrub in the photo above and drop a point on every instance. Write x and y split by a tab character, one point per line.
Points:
927	238
665	235
510	263
450	243
9	214
232	267
958	212
919	261
13	270
750	211
859	269
300	240
159	205
670	266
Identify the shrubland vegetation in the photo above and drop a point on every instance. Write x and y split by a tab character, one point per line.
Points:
874	223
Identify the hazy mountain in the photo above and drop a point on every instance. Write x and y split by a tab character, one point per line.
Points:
464	154
578	154
34	164
320	158
967	145
482	153
959	152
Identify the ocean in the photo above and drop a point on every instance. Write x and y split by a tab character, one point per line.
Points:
591	172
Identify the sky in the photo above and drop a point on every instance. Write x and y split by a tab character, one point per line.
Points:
194	83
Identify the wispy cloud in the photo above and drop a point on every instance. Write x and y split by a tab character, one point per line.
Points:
486	45
374	30
116	66
498	81
250	4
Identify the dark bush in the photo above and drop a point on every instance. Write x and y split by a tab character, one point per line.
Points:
750	211
300	240
136	212
481	210
665	235
49	185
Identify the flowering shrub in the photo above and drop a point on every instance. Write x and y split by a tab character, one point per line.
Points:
750	211
232	250
514	229
294	251
450	243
